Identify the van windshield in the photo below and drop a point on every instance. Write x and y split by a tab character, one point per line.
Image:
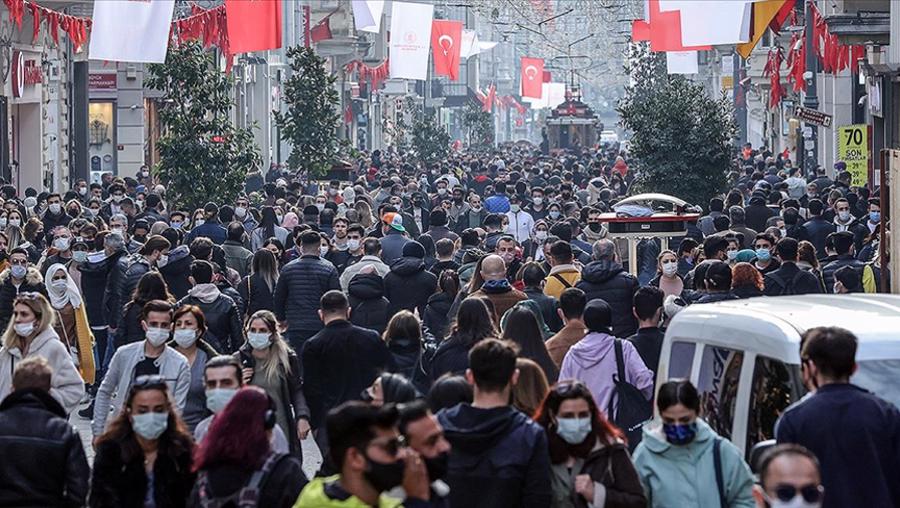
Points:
880	378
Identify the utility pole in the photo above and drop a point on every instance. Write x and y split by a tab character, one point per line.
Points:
810	99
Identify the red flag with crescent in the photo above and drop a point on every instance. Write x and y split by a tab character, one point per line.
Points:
446	41
532	77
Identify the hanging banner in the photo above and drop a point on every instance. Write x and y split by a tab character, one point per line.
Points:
410	40
367	15
711	23
253	25
532	77
853	149
446	42
682	62
131	31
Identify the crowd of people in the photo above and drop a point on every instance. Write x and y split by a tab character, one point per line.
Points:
462	334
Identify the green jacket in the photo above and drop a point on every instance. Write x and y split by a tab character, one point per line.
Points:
313	496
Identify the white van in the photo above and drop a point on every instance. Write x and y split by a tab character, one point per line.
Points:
744	355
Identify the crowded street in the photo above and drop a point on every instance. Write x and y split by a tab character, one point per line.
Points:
476	254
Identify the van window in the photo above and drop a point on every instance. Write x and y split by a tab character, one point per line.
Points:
880	378
681	360
720	371
776	385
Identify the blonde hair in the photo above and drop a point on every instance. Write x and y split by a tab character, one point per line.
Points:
44	319
278	361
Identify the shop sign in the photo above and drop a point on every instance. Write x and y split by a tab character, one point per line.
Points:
102	82
24	73
853	149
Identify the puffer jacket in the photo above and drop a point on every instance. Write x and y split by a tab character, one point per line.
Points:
610	282
223	320
94	275
67	387
33	282
301	285
831	268
409	285
122	281
177	271
757	213
50	467
369	307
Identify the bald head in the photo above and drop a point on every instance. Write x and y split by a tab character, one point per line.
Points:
493	268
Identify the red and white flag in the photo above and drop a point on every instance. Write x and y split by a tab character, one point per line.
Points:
488	102
532	77
253	25
131	31
446	42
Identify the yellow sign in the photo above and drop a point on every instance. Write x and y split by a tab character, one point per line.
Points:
853	149
727	82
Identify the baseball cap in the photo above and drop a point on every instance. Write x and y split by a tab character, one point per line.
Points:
394	220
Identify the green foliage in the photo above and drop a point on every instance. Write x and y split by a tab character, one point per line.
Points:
203	156
479	127
682	138
311	121
430	141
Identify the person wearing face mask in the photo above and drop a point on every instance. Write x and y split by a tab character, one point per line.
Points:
425	436
20	277
837	417
268	362
590	465
222	315
55	215
521	223
554	213
845	221
71	324
677	462
189	339
128	271
667	278
145	457
148	357
789	477
61	248
30	335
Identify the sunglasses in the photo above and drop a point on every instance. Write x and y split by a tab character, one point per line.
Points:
810	493
392	446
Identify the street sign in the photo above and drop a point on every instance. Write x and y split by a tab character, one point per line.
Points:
812	116
853	149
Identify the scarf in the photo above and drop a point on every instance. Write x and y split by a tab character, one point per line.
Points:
496	285
206	293
60	297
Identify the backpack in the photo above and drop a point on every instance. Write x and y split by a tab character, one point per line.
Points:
245	497
631	409
787	287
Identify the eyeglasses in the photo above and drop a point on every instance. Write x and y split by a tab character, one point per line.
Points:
392	446
811	493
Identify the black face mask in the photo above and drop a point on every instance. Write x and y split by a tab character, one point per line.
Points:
384	477
437	466
595	227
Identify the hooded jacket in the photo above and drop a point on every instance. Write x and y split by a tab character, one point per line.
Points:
409	285
610	282
33	282
685	476
177	271
437	313
67	386
369	307
592	360
499	458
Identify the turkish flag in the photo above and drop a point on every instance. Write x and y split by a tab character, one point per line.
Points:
662	29
446	41
488	103
532	77
253	25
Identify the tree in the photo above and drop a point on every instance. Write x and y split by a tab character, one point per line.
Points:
681	138
430	140
479	127
203	156
311	121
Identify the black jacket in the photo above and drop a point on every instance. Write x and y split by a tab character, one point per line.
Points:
122	281
452	356
369	307
791	280
829	270
94	276
280	488
817	230
648	342
412	359
223	320
301	285
757	213
856	437
44	458
128	327
548	305
437	314
33	282
409	285
119	484
717	297
256	294
340	362
177	271
610	282
499	458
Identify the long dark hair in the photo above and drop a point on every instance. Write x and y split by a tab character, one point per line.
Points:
266	266
601	428
522	327
268	222
151	286
174	441
237	435
473	322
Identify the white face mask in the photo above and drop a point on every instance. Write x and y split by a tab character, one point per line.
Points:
157	336
24	329
61	243
162	261
540	235
240	212
15	222
185	337
844	216
199	222
59	284
670	268
55	208
323	250
353	244
259	340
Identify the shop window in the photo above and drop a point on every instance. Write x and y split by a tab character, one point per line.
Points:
681	360
776	385
720	371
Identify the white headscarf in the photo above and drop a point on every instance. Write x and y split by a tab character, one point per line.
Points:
60	297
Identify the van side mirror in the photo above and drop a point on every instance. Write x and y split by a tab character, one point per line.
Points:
757	452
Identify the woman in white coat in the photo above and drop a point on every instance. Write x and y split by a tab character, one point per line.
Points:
30	333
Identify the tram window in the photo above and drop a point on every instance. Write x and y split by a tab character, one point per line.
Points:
681	359
720	371
776	385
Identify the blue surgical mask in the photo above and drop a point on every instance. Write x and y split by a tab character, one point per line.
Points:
573	430
19	271
875	217
150	425
763	255
680	434
177	225
218	398
554	214
259	340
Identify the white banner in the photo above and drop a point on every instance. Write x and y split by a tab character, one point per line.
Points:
469	44
131	31
410	39
552	95
682	62
367	15
706	23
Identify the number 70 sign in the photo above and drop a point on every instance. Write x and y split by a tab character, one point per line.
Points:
853	149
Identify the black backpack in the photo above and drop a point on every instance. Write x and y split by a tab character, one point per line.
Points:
628	408
787	287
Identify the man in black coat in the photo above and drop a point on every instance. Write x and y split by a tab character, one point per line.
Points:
817	228
843	246
854	434
605	278
533	276
223	319
757	213
409	284
45	462
789	279
648	306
